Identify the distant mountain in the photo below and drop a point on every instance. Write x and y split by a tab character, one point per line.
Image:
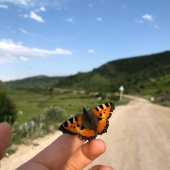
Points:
149	74
144	75
37	82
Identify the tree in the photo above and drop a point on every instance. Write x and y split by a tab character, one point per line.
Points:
8	112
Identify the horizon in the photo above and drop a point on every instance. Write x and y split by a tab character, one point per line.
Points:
66	37
35	76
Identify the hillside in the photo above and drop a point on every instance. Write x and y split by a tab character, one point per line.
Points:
144	75
37	82
149	74
3	88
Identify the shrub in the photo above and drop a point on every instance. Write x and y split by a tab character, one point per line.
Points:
102	95
8	112
54	113
34	127
38	125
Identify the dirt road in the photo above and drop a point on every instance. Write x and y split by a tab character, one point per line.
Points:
138	138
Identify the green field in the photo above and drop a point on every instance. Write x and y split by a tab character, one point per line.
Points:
31	103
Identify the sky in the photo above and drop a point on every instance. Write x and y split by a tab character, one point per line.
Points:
64	37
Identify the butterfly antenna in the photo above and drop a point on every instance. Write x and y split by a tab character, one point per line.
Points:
74	106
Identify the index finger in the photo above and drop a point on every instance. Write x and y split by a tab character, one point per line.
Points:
57	153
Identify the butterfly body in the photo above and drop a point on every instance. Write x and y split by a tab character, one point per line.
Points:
90	123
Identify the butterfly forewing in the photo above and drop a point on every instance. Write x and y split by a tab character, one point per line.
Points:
72	126
104	110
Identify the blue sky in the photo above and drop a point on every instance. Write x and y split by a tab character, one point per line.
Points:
64	37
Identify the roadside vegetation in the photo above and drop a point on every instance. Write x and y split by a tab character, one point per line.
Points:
36	114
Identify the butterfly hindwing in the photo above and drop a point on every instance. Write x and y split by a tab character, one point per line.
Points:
87	134
102	126
74	126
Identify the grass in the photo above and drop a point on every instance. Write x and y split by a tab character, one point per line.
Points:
31	103
28	103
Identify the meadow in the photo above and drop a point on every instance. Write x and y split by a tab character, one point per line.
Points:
32	103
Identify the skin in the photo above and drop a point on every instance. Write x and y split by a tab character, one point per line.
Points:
65	153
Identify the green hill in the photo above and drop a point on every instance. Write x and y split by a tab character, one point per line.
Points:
37	82
144	75
149	74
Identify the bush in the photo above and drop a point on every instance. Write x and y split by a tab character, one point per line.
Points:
54	113
8	112
34	127
38	125
102	95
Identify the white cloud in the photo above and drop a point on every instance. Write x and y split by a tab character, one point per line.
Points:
22	30
16	2
33	15
148	17
24	58
99	19
3	60
3	6
42	9
33	3
90	51
72	20
139	21
10	50
90	5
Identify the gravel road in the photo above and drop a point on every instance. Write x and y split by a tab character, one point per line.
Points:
138	138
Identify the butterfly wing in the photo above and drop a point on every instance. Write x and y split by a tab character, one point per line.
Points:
87	134
73	126
103	112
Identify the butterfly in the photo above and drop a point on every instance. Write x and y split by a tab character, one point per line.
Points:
90	123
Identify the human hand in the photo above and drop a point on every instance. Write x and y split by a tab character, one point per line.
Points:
5	136
65	153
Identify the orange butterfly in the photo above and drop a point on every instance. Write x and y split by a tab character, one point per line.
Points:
89	124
